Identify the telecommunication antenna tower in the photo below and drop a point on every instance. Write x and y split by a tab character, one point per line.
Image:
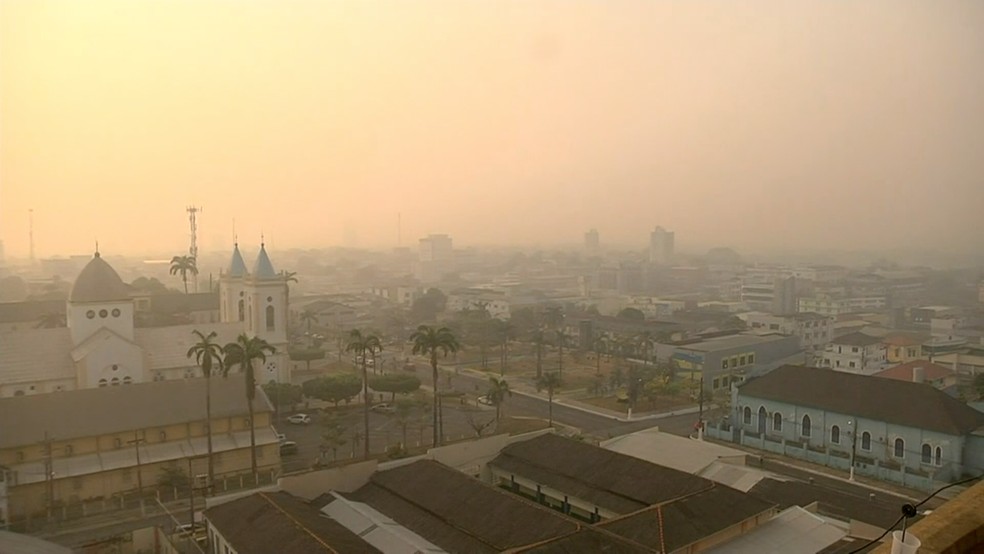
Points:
193	248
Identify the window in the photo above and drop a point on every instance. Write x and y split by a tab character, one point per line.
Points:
751	358
103	383
805	430
939	455
761	419
117	443
741	360
724	381
127	380
90	314
269	318
241	309
850	364
835	434
777	421
854	349
866	441
747	416
716	384
103	314
774	326
115	381
899	448
927	454
116	312
724	364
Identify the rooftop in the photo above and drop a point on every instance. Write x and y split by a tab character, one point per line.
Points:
856	339
99	282
279	522
609	479
108	410
916	405
903	372
732	341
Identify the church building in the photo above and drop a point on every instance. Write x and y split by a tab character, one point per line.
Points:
101	346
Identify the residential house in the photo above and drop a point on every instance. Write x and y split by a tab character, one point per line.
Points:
903	347
922	371
813	330
855	353
102	442
909	433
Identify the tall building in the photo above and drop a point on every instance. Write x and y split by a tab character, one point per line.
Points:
591	241
660	246
435	258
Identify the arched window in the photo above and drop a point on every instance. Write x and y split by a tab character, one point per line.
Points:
269	318
242	309
805	430
761	419
114	381
939	455
127	380
866	441
103	383
835	434
927	454
777	421
899	448
747	416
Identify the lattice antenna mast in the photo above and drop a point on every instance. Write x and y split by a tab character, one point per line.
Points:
193	248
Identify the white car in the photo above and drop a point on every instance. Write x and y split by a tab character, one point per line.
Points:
299	419
384	408
485	400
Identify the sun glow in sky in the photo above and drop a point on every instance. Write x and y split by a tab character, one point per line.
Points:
749	124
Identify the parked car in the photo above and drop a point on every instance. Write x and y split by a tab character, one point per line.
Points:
384	408
287	448
282	438
299	419
485	400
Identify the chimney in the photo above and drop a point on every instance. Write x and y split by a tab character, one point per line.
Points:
918	375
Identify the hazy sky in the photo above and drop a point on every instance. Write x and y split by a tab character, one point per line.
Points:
821	124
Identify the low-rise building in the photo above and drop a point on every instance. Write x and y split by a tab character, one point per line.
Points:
910	433
99	443
903	347
840	305
728	359
922	371
813	330
855	353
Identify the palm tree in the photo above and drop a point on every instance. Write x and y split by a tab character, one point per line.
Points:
504	332
430	341
549	382
646	340
50	320
498	391
562	339
364	345
184	265
600	345
208	356
242	353
308	317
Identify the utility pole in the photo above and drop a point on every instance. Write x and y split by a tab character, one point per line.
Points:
854	443
136	442
49	474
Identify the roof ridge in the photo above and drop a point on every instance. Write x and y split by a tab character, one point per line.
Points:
303	527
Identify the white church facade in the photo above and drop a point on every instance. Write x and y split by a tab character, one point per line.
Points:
102	347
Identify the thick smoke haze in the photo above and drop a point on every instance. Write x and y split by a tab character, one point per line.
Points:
754	125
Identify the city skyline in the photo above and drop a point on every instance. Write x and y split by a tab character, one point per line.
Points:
811	126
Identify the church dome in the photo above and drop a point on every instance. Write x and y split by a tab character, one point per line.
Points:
99	282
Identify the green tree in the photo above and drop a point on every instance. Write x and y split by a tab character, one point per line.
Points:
333	388
308	317
184	265
631	314
305	355
497	393
208	356
647	342
430	341
426	308
363	345
504	332
242	353
553	316
550	382
332	435
395	383
283	395
600	346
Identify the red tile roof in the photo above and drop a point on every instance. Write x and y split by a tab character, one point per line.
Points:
903	372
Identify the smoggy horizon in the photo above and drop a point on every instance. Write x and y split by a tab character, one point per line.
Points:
812	126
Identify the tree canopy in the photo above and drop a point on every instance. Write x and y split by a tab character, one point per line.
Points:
333	388
395	383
